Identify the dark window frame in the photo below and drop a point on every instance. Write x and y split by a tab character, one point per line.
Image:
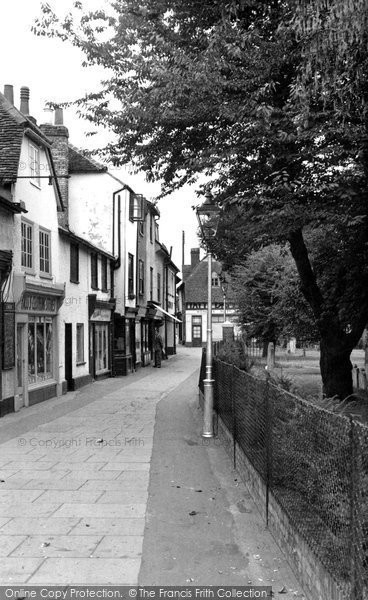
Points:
140	277
104	286
74	263
130	274
94	271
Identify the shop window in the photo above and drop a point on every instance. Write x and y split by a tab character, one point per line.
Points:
44	241
80	343
74	263
34	164
102	348
40	349
141	277
27	245
158	287
104	273
94	271
130	275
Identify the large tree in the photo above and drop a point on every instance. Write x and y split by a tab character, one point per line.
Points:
223	89
268	296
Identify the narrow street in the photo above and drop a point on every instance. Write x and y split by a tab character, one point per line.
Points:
114	484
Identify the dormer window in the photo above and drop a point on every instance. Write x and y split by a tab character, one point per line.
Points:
215	280
34	164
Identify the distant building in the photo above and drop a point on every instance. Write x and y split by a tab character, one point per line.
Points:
194	294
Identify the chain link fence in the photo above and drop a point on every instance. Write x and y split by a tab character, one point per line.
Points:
313	461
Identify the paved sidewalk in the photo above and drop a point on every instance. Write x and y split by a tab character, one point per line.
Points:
84	500
73	490
202	527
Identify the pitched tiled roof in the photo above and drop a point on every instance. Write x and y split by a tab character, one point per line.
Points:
12	128
79	163
196	283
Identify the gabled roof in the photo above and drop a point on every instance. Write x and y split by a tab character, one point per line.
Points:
196	283
13	126
80	163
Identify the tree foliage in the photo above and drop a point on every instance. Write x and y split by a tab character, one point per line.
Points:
268	295
268	99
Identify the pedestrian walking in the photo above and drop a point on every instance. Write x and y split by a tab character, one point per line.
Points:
158	348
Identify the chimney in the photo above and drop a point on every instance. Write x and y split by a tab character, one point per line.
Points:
48	114
9	93
194	257
24	100
58	134
59	116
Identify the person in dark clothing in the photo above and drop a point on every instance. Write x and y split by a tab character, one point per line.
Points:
158	346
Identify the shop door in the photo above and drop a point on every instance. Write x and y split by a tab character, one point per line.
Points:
21	363
69	355
196	330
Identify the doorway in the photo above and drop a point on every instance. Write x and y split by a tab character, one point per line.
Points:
69	356
196	330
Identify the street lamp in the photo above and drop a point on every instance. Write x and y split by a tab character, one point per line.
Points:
224	287
208	216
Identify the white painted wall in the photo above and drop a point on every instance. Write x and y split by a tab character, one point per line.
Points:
41	205
91	217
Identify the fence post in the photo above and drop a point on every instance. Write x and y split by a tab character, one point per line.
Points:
356	592
268	443
233	410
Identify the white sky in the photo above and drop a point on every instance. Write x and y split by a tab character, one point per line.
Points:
53	72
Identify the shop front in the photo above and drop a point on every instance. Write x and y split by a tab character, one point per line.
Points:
100	336
36	341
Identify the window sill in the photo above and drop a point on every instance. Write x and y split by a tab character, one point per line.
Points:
44	383
45	276
94	288
74	281
104	290
80	364
28	271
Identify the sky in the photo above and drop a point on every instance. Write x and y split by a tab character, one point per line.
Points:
53	71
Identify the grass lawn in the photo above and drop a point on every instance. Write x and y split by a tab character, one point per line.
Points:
304	373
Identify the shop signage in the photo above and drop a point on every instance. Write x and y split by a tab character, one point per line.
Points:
39	304
101	314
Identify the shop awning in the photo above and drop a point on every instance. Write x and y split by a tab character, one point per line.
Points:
168	314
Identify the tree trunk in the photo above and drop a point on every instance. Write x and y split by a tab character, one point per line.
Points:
336	369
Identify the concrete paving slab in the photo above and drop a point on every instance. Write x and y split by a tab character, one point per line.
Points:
63	496
5	473
87	571
98	510
27	474
46	546
28	509
108	526
52	484
111	485
124	497
133	477
13	496
17	571
24	465
126	466
29	525
14	483
9	543
119	546
87	474
78	465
